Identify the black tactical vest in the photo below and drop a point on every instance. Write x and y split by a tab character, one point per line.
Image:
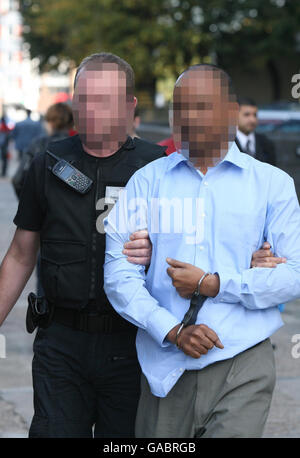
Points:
72	249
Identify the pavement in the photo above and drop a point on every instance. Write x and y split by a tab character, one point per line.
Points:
16	396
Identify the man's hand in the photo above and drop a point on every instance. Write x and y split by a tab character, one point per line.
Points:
265	258
195	340
185	278
139	249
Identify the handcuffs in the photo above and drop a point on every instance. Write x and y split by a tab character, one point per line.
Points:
197	301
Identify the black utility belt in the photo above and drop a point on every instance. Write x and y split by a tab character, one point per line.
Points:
86	322
41	313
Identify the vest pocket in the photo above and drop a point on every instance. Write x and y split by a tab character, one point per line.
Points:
64	270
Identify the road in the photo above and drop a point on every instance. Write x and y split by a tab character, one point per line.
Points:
15	370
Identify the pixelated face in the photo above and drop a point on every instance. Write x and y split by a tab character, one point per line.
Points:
101	111
204	116
247	121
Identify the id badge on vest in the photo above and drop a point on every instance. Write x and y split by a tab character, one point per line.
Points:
112	193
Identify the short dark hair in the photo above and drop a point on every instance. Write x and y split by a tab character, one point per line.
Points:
95	60
246	101
60	116
214	68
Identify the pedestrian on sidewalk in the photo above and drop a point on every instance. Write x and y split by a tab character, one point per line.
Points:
4	141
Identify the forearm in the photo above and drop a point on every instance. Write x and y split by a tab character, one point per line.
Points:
260	288
125	288
14	274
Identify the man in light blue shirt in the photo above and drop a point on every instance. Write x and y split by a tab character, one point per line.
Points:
206	210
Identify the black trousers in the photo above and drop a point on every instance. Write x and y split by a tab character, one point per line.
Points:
85	385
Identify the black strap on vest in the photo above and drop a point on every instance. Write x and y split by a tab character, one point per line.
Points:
53	155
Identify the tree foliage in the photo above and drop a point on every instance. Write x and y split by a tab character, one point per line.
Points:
162	37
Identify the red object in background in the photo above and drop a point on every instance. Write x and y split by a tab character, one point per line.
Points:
4	127
170	144
72	132
61	97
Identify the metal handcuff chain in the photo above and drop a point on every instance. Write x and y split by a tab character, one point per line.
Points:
197	301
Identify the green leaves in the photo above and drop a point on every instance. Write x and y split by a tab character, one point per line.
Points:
162	37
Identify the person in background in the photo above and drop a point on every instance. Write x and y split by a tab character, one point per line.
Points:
248	141
136	124
4	140
25	131
59	124
169	142
170	145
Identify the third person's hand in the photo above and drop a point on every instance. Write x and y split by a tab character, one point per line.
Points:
139	248
265	258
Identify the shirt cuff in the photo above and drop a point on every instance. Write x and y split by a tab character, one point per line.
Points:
160	324
230	287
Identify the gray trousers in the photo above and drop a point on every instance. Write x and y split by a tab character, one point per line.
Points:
229	398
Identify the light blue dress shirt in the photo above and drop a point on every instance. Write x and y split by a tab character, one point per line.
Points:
217	221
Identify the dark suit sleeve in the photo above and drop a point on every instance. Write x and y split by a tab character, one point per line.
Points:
267	149
270	149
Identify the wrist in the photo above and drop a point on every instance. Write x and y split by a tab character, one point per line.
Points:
171	336
210	285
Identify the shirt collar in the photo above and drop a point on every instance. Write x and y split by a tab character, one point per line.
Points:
236	157
233	155
243	138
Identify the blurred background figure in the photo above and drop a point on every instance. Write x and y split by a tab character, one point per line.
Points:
58	125
136	124
4	140
24	132
248	141
168	142
170	145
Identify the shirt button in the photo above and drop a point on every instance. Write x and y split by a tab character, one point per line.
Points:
205	183
203	214
181	369
201	247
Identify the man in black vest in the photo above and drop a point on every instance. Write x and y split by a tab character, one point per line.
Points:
86	374
248	141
